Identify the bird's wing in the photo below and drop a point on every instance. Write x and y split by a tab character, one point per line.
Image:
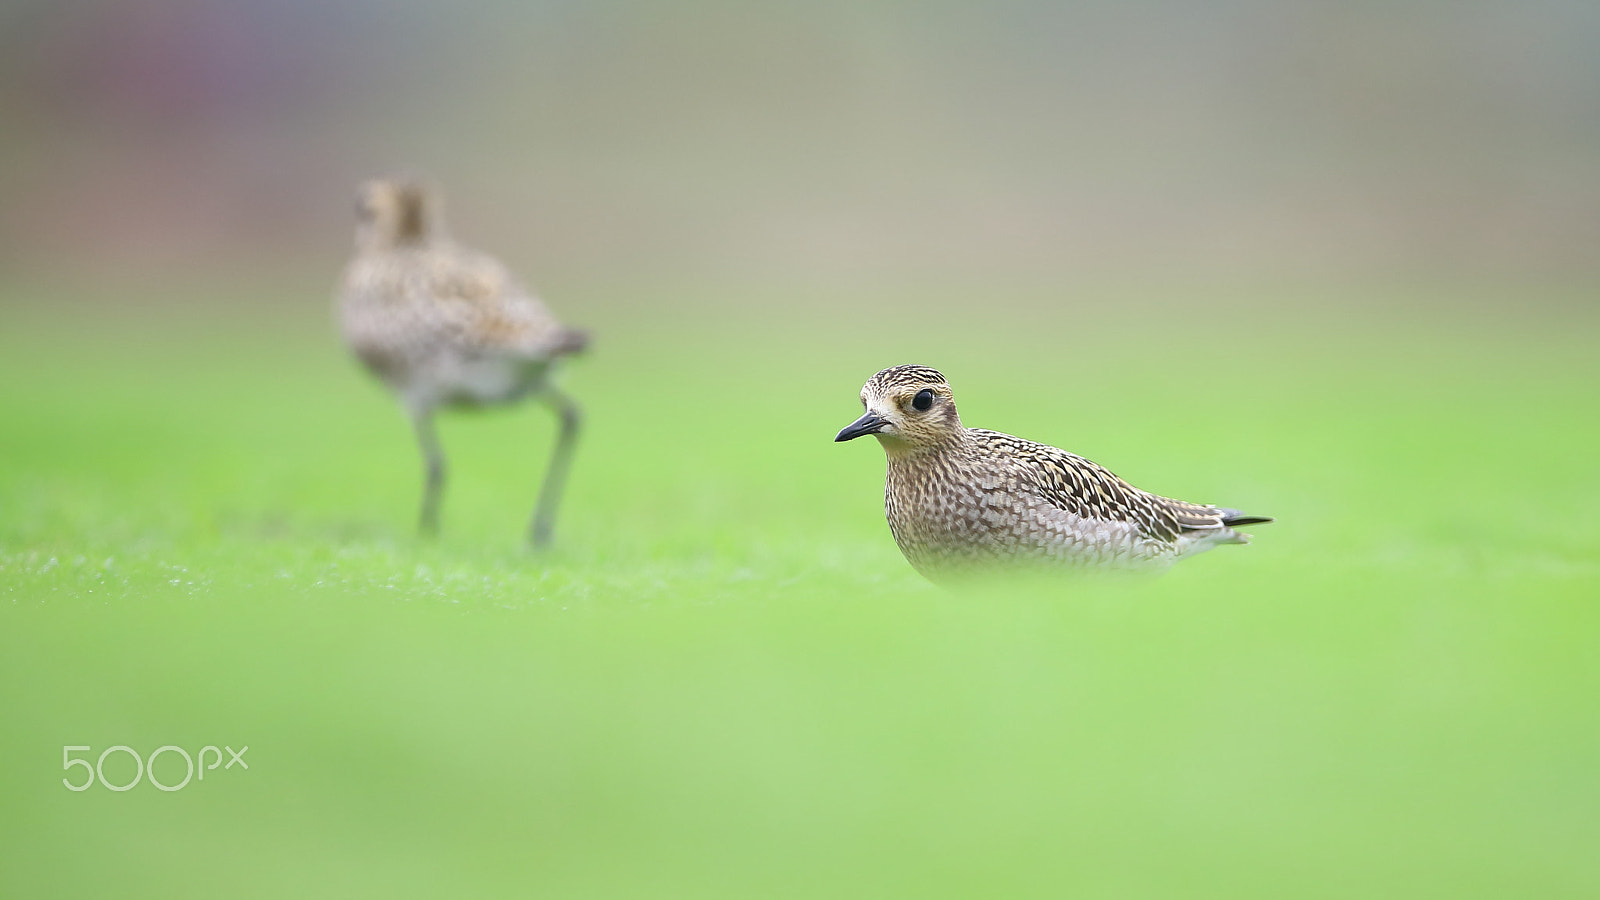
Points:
1088	489
1196	516
488	310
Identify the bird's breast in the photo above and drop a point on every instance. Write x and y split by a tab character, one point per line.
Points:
946	507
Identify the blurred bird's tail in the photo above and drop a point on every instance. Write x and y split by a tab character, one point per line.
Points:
570	340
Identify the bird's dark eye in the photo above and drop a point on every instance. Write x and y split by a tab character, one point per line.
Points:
923	400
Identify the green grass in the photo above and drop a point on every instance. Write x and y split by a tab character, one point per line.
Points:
725	682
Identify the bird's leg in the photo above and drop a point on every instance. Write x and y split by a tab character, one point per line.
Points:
433	462
555	477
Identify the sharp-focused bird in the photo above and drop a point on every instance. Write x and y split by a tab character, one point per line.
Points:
959	498
443	325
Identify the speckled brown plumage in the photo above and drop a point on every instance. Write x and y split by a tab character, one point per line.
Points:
444	325
957	497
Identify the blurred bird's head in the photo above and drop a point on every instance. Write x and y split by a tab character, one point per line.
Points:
391	213
909	408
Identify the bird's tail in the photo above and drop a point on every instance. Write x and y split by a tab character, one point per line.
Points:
570	340
1232	517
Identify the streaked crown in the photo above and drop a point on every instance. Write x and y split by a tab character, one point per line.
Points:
903	376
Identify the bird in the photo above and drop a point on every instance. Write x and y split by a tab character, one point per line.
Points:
444	326
961	499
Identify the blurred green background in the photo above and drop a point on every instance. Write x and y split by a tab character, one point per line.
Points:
1327	262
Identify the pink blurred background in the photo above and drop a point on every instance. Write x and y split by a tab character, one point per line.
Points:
632	140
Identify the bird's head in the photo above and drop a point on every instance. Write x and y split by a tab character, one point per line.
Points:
392	212
909	408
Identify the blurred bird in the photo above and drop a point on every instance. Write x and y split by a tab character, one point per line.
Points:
959	496
443	325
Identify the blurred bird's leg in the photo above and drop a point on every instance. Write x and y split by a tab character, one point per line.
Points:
433	462
555	478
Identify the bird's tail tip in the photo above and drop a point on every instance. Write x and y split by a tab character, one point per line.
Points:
1233	517
572	340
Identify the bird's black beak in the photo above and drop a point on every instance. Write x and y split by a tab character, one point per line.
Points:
871	423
